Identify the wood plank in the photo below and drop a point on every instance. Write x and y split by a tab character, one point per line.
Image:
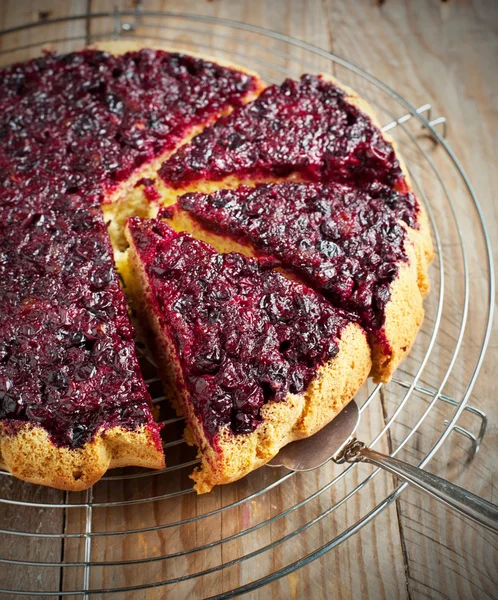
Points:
29	548
14	14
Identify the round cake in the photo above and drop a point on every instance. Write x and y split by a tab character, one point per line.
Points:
260	216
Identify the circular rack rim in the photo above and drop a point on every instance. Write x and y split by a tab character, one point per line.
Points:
460	405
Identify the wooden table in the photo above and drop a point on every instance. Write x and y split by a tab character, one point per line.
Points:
442	52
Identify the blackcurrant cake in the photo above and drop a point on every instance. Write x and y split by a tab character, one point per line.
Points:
265	240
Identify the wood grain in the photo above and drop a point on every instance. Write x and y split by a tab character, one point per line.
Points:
438	52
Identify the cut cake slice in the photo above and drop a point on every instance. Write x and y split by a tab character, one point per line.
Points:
252	359
314	129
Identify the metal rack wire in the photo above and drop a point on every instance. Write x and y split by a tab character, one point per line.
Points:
168	529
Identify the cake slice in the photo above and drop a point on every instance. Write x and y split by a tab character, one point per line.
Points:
72	399
77	132
314	129
347	244
252	359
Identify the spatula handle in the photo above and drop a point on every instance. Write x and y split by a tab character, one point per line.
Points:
479	510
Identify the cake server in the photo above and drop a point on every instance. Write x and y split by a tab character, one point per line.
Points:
336	442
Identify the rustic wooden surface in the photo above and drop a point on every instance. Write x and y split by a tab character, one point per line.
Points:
439	52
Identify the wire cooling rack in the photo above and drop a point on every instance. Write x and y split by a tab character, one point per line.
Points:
138	530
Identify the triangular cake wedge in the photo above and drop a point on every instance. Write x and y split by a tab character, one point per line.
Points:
252	359
347	244
77	132
314	129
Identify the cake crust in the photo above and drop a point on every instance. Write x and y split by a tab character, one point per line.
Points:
30	455
404	314
117	47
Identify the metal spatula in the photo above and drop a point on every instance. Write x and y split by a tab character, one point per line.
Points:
335	442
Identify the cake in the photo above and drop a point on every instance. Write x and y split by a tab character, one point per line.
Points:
349	245
252	359
77	132
92	138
